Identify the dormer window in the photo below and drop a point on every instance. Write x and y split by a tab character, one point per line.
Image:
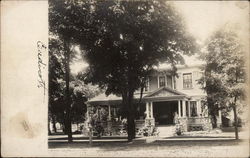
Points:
162	81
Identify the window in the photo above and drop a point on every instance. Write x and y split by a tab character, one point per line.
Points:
174	82
147	85
193	108
187	80
169	81
162	81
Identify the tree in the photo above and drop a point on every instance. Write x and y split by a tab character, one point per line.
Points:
56	71
78	91
224	73
58	27
123	41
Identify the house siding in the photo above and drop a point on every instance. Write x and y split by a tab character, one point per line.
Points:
195	91
153	83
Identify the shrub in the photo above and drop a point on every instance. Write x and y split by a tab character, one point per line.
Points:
178	129
150	131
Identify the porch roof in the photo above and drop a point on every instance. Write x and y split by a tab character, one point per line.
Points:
112	99
161	94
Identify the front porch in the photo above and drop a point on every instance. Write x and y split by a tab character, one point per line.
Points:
187	113
162	107
179	108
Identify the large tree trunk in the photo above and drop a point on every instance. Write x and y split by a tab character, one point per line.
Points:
131	127
235	122
67	93
130	117
213	110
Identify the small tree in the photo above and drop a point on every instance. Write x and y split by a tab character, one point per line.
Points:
224	73
80	93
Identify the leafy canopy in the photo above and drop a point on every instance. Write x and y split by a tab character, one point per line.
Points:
225	69
123	40
79	91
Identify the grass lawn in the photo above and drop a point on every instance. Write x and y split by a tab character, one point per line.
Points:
163	148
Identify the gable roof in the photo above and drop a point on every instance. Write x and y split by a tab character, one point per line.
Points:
164	91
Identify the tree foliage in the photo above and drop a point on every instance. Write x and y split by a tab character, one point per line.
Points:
122	41
224	71
79	91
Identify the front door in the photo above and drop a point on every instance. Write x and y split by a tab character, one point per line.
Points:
164	112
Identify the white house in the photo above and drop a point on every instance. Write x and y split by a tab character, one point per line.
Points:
164	98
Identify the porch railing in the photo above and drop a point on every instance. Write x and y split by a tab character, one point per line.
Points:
195	123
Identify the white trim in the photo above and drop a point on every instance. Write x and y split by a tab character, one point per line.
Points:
166	81
152	114
184	108
189	110
158	76
179	108
173	79
198	106
147	110
219	117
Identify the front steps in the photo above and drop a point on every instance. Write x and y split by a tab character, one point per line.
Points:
166	130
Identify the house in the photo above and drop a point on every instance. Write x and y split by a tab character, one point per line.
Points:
166	99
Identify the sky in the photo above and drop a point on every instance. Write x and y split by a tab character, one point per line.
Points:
202	18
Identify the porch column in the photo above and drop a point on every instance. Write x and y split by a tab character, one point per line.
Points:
206	111
109	116
184	108
198	108
189	114
151	107
147	110
179	108
87	115
219	122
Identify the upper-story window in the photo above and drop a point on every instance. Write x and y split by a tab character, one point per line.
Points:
162	81
169	82
187	80
146	88
174	82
